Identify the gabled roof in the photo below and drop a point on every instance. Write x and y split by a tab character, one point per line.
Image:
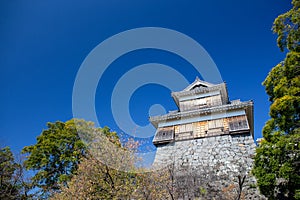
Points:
198	87
198	83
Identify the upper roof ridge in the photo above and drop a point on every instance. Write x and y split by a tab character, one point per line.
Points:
198	83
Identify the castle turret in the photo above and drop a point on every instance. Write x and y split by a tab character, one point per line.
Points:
204	110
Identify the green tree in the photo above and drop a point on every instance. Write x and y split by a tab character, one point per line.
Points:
9	183
277	160
58	151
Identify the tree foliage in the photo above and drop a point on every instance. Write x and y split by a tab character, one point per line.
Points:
277	160
107	173
58	151
8	182
13	177
96	180
111	173
286	26
55	156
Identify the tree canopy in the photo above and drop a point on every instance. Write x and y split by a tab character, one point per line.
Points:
58	151
8	183
96	180
277	160
55	156
13	183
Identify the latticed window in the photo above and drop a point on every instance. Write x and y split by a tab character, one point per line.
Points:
184	131
185	128
238	123
217	123
214	100
199	103
164	134
193	104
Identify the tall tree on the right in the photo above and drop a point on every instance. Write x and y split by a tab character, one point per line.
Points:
277	160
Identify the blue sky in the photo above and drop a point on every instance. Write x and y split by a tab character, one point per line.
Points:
43	43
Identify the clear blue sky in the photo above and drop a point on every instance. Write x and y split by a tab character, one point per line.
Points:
43	43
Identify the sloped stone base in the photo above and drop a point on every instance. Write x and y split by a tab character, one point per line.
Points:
210	167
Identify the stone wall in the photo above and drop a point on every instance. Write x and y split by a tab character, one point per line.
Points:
210	167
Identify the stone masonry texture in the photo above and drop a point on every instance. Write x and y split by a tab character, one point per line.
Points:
210	167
